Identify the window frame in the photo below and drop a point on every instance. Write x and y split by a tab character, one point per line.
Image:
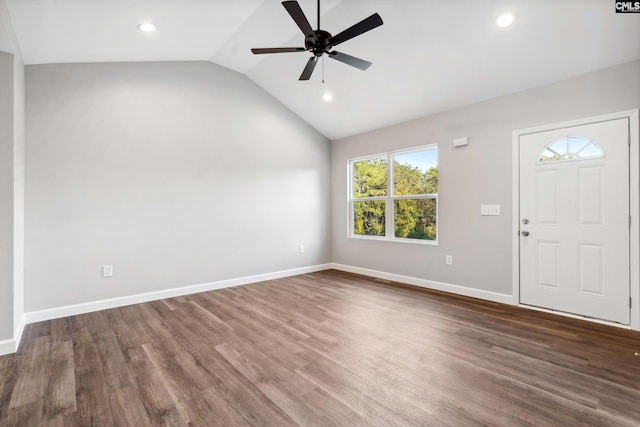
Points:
390	198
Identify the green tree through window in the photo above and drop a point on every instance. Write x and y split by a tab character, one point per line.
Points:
408	204
369	181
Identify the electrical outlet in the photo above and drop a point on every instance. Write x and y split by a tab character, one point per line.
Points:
301	249
449	260
107	270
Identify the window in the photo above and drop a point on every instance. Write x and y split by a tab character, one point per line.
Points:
394	196
570	148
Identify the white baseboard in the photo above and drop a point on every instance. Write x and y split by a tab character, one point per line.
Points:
19	330
11	345
429	284
72	310
8	346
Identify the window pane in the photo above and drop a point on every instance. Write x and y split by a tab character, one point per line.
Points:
591	150
415	219
548	156
370	178
415	173
368	218
577	143
559	146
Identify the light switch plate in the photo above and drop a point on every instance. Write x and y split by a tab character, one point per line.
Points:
490	210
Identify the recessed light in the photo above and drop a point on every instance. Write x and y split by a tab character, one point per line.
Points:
505	19
147	27
327	97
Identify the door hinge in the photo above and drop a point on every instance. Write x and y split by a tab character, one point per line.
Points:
630	305
629	222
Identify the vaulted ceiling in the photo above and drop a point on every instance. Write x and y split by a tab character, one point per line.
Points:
429	56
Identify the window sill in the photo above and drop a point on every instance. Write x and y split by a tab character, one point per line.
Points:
395	240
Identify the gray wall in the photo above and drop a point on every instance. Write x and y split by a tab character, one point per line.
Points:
12	144
19	128
477	174
176	173
6	196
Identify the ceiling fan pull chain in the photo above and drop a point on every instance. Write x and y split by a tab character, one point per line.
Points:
322	69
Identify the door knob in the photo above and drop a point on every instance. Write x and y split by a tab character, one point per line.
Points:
525	233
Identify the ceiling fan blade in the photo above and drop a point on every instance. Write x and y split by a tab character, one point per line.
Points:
361	27
350	60
308	70
259	51
298	15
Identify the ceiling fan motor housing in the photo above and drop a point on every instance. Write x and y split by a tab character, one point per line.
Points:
318	43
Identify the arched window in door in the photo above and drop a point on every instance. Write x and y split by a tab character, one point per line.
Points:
570	148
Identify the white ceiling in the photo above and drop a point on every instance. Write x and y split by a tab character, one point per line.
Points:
429	56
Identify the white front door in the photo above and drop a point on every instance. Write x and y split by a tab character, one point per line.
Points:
574	220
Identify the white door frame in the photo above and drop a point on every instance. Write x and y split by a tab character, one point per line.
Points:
634	203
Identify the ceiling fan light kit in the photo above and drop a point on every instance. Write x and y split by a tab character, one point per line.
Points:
320	42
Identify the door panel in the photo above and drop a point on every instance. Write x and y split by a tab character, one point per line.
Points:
591	269
548	264
574	199
547	195
591	196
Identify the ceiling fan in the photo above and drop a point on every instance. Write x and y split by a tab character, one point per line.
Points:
320	42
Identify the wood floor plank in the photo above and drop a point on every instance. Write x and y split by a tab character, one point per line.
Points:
213	409
245	396
92	394
8	379
63	420
184	378
127	408
365	398
29	414
281	384
31	381
160	406
321	349
60	396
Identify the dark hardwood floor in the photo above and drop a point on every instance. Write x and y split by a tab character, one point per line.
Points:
322	349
